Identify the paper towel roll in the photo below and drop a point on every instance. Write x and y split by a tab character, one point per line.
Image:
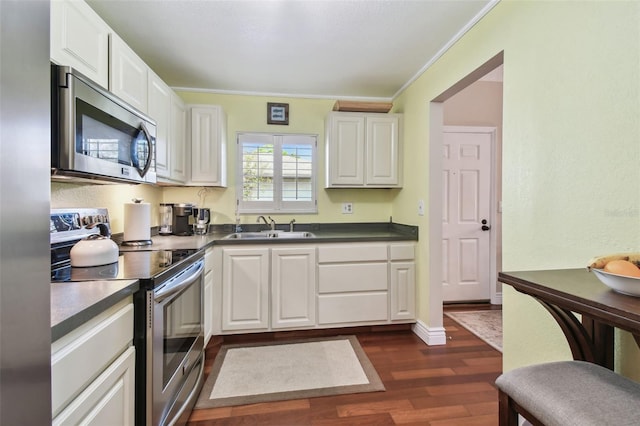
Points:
137	222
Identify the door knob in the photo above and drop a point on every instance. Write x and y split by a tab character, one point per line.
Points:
485	227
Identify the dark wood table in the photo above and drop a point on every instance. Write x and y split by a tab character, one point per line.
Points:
565	291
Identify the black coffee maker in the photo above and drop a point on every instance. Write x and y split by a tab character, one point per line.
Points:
183	219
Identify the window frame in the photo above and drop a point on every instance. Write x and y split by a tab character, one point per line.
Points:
277	205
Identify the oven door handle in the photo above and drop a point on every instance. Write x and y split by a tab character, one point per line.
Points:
179	284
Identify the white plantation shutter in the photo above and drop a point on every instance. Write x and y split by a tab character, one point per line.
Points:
276	173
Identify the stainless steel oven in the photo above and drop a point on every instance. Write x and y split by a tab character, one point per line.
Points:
175	345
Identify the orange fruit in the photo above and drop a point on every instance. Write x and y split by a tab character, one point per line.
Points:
622	267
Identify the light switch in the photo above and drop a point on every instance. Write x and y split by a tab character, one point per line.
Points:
420	207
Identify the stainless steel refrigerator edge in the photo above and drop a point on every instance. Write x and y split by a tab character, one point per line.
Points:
25	319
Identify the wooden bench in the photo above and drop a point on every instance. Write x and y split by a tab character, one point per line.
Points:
568	393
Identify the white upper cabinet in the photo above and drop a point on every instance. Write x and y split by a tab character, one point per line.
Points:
160	110
169	112
208	146
128	76
345	150
363	150
80	39
382	150
177	137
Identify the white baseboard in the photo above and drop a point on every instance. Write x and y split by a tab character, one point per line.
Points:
431	336
496	299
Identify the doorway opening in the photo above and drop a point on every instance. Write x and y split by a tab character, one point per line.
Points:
441	116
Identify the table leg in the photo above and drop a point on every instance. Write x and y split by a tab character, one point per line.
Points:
580	342
602	338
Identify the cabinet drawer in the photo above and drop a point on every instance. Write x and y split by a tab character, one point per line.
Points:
348	277
352	253
82	355
109	400
355	307
402	251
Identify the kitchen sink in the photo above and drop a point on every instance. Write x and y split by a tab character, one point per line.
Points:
268	235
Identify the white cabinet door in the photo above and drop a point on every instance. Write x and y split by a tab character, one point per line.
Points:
160	110
245	289
345	149
208	295
80	39
363	150
402	281
293	287
109	400
208	146
177	135
382	150
128	76
403	290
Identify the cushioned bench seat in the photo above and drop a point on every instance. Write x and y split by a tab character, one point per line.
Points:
568	393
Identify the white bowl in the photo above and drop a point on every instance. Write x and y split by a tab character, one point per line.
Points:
620	283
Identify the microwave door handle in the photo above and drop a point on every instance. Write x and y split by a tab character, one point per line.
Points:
177	286
134	153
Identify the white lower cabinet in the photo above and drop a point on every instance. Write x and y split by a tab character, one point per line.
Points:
245	289
402	283
109	400
352	283
92	371
274	287
268	288
293	287
208	295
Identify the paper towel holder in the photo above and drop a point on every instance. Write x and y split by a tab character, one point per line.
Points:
143	242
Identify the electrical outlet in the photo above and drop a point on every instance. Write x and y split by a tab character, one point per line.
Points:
420	207
347	208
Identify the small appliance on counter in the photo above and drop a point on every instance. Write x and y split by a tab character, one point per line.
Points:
202	219
166	219
183	219
137	223
95	249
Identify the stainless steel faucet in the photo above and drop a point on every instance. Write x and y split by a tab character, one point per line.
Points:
263	219
272	224
291	225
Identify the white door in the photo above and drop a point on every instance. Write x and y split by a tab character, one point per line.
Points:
466	215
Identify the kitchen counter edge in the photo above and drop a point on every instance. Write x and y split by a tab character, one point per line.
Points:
75	303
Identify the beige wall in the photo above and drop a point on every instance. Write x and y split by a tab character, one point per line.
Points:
570	142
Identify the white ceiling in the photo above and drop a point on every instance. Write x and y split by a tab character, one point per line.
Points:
347	49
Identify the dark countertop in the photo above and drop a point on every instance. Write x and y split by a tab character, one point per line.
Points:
74	303
324	233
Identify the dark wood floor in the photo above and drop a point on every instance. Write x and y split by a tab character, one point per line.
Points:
451	384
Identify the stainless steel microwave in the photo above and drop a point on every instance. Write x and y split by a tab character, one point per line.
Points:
95	135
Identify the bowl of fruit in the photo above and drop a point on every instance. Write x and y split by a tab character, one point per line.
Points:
620	272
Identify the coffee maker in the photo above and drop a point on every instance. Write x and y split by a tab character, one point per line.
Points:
183	219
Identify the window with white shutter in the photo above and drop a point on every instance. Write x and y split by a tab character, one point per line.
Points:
276	173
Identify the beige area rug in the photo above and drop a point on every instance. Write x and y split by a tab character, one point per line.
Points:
487	325
276	371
